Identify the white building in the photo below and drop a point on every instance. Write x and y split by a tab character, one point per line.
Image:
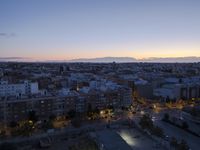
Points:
18	89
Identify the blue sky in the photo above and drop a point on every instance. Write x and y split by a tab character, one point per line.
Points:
67	29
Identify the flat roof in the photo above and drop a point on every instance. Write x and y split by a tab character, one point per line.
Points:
112	141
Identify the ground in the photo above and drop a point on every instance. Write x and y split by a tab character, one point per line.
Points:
126	139
76	143
137	140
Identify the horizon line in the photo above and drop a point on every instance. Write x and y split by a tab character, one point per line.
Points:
100	59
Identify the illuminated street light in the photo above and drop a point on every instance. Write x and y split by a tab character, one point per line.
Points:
142	112
101	112
30	122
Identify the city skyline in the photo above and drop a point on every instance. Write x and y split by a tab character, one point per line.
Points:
65	30
99	74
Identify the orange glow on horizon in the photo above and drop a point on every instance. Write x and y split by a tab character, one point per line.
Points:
136	56
60	55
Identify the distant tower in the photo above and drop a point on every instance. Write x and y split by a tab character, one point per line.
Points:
63	69
1	72
114	66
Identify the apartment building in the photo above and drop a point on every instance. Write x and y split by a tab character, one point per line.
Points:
179	91
18	89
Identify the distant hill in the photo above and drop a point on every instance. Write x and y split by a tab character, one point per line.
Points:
106	59
10	58
130	59
110	59
172	59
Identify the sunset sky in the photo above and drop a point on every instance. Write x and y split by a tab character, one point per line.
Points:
69	29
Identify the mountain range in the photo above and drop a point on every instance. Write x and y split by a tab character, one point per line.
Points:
110	59
131	59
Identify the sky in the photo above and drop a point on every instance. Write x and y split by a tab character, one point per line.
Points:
71	29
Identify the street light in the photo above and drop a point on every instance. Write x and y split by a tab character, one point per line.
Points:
142	112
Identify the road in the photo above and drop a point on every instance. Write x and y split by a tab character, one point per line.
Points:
180	134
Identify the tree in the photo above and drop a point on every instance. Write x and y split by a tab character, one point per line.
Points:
52	117
173	142
89	110
111	107
76	122
183	145
71	114
167	99
157	131
166	117
146	122
32	116
180	80
13	124
97	111
174	120
25	128
194	112
185	125
47	125
2	134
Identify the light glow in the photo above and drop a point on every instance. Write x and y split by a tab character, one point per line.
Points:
126	137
